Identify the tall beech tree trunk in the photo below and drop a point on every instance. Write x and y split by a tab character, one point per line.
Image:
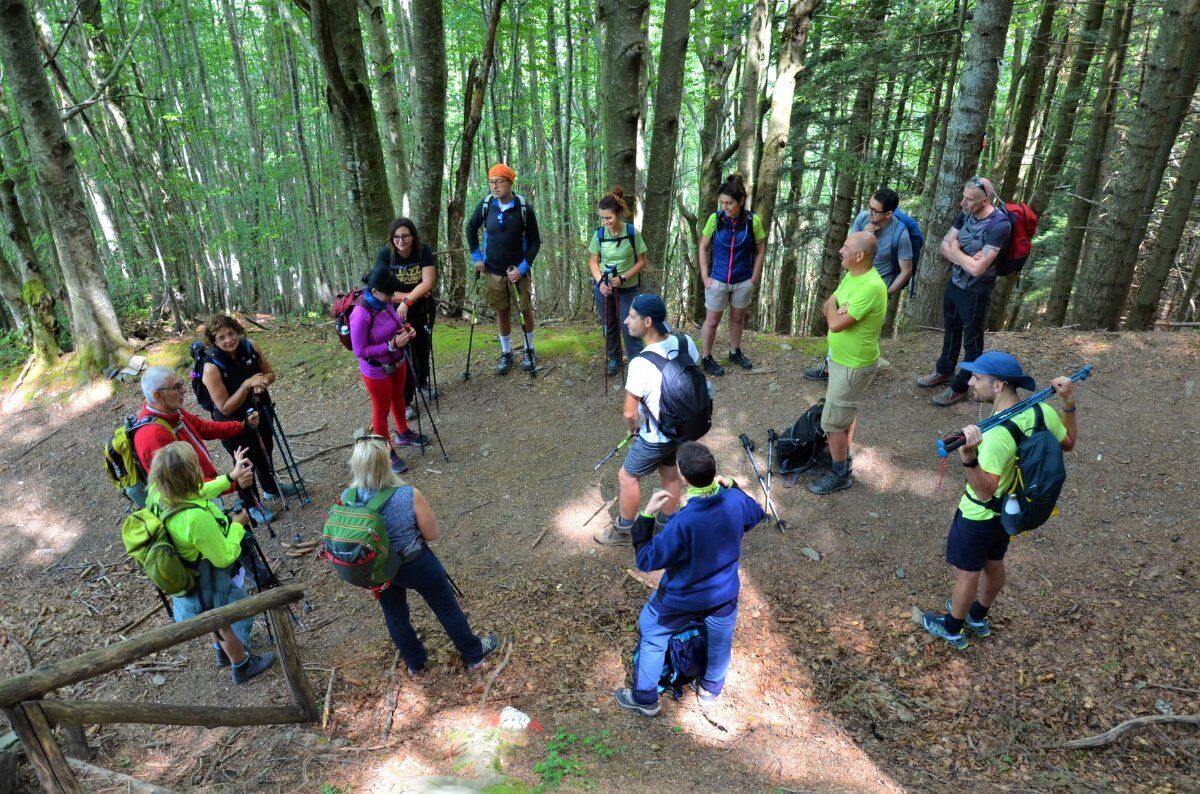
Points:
384	68
339	42
1144	309
1104	278
968	123
624	48
429	149
1089	169
664	141
96	335
36	300
754	78
870	27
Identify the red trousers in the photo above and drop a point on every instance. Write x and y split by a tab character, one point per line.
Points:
387	394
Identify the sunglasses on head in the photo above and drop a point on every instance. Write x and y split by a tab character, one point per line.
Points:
979	183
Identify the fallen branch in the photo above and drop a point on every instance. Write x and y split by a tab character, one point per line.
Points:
496	673
126	782
325	451
390	706
308	432
476	507
328	698
539	538
1101	739
254	322
599	510
12	637
138	620
35	444
1174	688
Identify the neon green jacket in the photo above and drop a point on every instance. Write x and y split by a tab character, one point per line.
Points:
205	532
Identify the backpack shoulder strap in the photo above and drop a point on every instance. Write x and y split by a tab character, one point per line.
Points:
157	420
630	232
1039	419
380	499
1017	435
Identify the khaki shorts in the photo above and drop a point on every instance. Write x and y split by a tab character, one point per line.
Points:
847	387
721	295
499	293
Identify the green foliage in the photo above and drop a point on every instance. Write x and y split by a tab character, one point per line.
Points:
562	758
326	788
131	298
13	352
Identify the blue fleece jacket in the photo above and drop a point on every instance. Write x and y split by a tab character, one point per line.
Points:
699	547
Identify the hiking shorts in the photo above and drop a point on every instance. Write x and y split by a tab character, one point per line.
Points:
971	544
847	388
499	293
721	295
644	458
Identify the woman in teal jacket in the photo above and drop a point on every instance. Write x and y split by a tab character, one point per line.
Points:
209	543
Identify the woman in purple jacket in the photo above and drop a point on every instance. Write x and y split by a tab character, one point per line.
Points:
378	336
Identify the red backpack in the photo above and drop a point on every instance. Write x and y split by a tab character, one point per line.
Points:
339	311
1024	223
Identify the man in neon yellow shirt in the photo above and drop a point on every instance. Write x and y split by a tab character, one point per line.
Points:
978	541
854	314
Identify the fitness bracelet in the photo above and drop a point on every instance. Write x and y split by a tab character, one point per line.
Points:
970	464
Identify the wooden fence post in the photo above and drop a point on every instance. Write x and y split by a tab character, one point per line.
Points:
43	751
293	667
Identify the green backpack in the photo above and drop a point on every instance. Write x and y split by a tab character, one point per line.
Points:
149	544
120	458
356	541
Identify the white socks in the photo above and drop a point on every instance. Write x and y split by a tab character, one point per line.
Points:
529	340
505	344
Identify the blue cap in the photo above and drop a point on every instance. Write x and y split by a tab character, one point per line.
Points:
1002	366
651	307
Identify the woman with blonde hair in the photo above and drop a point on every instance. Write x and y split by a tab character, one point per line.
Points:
410	526
209	543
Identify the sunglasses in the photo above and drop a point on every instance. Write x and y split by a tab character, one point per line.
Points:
368	437
979	183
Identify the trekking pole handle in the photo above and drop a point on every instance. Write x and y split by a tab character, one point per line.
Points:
747	442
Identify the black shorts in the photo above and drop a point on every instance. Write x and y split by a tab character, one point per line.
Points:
971	544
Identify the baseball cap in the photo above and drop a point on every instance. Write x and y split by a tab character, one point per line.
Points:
1002	366
652	307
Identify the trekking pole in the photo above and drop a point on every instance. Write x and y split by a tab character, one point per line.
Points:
614	451
517	305
285	454
748	445
772	436
955	440
437	397
471	335
412	370
270	580
604	337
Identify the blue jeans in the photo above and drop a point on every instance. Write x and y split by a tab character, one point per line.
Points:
964	318
426	575
615	314
656	629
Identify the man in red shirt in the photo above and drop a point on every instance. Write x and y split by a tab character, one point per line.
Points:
164	389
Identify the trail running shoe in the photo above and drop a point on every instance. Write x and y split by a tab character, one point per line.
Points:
410	438
980	628
490	643
947	397
252	665
702	694
739	358
398	465
410	412
711	367
932	379
624	698
819	372
504	363
611	536
935	624
613	366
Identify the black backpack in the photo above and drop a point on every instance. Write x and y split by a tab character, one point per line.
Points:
201	355
686	659
1038	481
685	404
802	444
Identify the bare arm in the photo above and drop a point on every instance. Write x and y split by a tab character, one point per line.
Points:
906	271
983	483
594	266
427	524
631	413
760	254
263	364
704	256
638	266
1065	388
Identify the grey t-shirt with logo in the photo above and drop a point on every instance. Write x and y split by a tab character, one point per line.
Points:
892	243
974	234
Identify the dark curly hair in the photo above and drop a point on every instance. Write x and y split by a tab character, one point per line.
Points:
216	323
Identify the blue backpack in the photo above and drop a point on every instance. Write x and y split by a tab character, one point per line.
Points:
917	238
686	659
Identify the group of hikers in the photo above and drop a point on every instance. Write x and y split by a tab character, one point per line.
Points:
693	525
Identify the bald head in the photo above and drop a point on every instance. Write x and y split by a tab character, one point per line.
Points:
858	252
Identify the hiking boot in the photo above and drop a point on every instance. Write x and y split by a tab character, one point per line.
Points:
705	697
613	366
490	643
830	482
504	363
261	515
624	698
527	360
611	536
935	624
221	657
980	628
410	438
410	412
932	379
739	358
430	392
819	372
398	465
711	367
948	396
252	665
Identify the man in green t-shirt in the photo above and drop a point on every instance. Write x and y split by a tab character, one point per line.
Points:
978	541
854	314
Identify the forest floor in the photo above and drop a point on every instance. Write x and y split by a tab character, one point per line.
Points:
832	687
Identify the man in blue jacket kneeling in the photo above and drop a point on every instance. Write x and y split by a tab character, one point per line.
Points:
699	547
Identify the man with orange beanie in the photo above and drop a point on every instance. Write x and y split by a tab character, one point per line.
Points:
510	243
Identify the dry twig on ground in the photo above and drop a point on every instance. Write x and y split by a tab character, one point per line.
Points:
1101	739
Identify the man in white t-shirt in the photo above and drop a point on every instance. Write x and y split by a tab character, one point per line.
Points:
650	449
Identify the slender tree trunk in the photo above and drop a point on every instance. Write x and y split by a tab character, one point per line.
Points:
754	78
96	334
967	126
35	299
1106	276
792	230
1089	169
660	182
429	117
384	67
1144	309
624	48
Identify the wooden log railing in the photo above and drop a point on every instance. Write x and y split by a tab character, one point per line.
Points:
33	719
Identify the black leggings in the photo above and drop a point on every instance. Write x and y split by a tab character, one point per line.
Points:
421	347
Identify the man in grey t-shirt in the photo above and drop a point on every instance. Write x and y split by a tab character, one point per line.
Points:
971	247
893	246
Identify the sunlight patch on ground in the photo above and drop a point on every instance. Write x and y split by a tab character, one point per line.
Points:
25	517
880	473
